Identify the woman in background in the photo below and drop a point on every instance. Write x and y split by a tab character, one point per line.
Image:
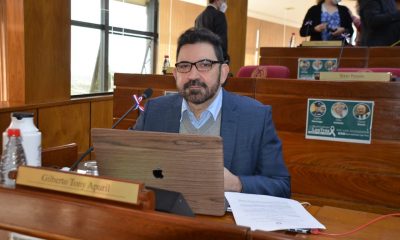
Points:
380	22
327	21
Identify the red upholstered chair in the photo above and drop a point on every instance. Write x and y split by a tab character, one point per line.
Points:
394	71
264	71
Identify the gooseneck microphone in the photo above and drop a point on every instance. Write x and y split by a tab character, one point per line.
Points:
146	94
344	40
308	24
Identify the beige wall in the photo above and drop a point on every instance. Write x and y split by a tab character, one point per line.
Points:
174	18
270	35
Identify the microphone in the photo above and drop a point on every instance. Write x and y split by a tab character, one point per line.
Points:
308	24
146	94
345	36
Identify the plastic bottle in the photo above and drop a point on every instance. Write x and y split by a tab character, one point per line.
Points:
166	64
12	157
31	137
292	41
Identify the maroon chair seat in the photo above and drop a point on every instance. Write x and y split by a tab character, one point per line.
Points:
264	71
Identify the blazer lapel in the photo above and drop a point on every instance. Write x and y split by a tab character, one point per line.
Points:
173	116
229	120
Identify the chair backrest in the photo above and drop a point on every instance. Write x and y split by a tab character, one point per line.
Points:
394	71
264	71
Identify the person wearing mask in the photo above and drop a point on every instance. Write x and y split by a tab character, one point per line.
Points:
327	21
380	22
252	150
213	18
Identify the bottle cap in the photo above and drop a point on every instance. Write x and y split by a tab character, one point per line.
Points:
13	132
21	115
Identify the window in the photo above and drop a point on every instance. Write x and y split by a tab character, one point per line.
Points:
109	36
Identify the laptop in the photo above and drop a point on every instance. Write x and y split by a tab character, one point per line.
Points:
190	164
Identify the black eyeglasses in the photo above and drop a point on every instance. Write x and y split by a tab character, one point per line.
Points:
203	65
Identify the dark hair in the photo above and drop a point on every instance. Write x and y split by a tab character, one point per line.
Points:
201	35
211	1
320	1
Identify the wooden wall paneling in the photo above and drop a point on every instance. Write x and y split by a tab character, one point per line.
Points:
379	57
15	50
101	114
236	16
3	88
47	27
65	124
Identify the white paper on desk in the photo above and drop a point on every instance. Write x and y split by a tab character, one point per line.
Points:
260	212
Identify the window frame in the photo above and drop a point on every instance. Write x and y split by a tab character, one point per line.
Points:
105	28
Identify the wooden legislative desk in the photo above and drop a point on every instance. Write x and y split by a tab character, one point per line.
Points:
362	177
53	217
357	57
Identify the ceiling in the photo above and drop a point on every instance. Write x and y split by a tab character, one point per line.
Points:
288	12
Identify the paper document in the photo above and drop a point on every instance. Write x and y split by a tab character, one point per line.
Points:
260	212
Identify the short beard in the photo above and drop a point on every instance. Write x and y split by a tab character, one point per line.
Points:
199	96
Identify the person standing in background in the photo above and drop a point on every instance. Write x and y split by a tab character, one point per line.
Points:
213	18
380	22
327	21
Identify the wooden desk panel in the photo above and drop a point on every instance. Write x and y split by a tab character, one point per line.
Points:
384	57
288	99
53	218
351	57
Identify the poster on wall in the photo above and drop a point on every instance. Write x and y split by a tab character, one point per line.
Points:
309	68
339	120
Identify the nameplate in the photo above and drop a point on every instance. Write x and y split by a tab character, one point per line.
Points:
321	44
355	76
85	185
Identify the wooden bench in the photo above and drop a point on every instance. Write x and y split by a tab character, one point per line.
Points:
356	176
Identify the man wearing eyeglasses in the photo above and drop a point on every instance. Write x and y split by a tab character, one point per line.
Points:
252	151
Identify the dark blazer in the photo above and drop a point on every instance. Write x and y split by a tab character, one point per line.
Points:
314	15
380	22
252	149
215	21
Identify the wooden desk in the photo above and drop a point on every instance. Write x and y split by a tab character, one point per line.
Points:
336	220
339	220
52	217
357	57
351	57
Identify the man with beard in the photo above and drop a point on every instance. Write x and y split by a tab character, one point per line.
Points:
252	151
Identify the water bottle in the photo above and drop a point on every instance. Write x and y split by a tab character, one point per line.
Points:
12	157
292	41
166	64
31	137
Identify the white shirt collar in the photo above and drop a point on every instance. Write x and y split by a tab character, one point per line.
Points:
214	108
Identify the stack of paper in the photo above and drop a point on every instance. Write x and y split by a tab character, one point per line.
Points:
260	212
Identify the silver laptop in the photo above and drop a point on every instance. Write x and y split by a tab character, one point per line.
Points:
190	164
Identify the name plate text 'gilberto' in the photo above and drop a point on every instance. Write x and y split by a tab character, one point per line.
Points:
74	183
